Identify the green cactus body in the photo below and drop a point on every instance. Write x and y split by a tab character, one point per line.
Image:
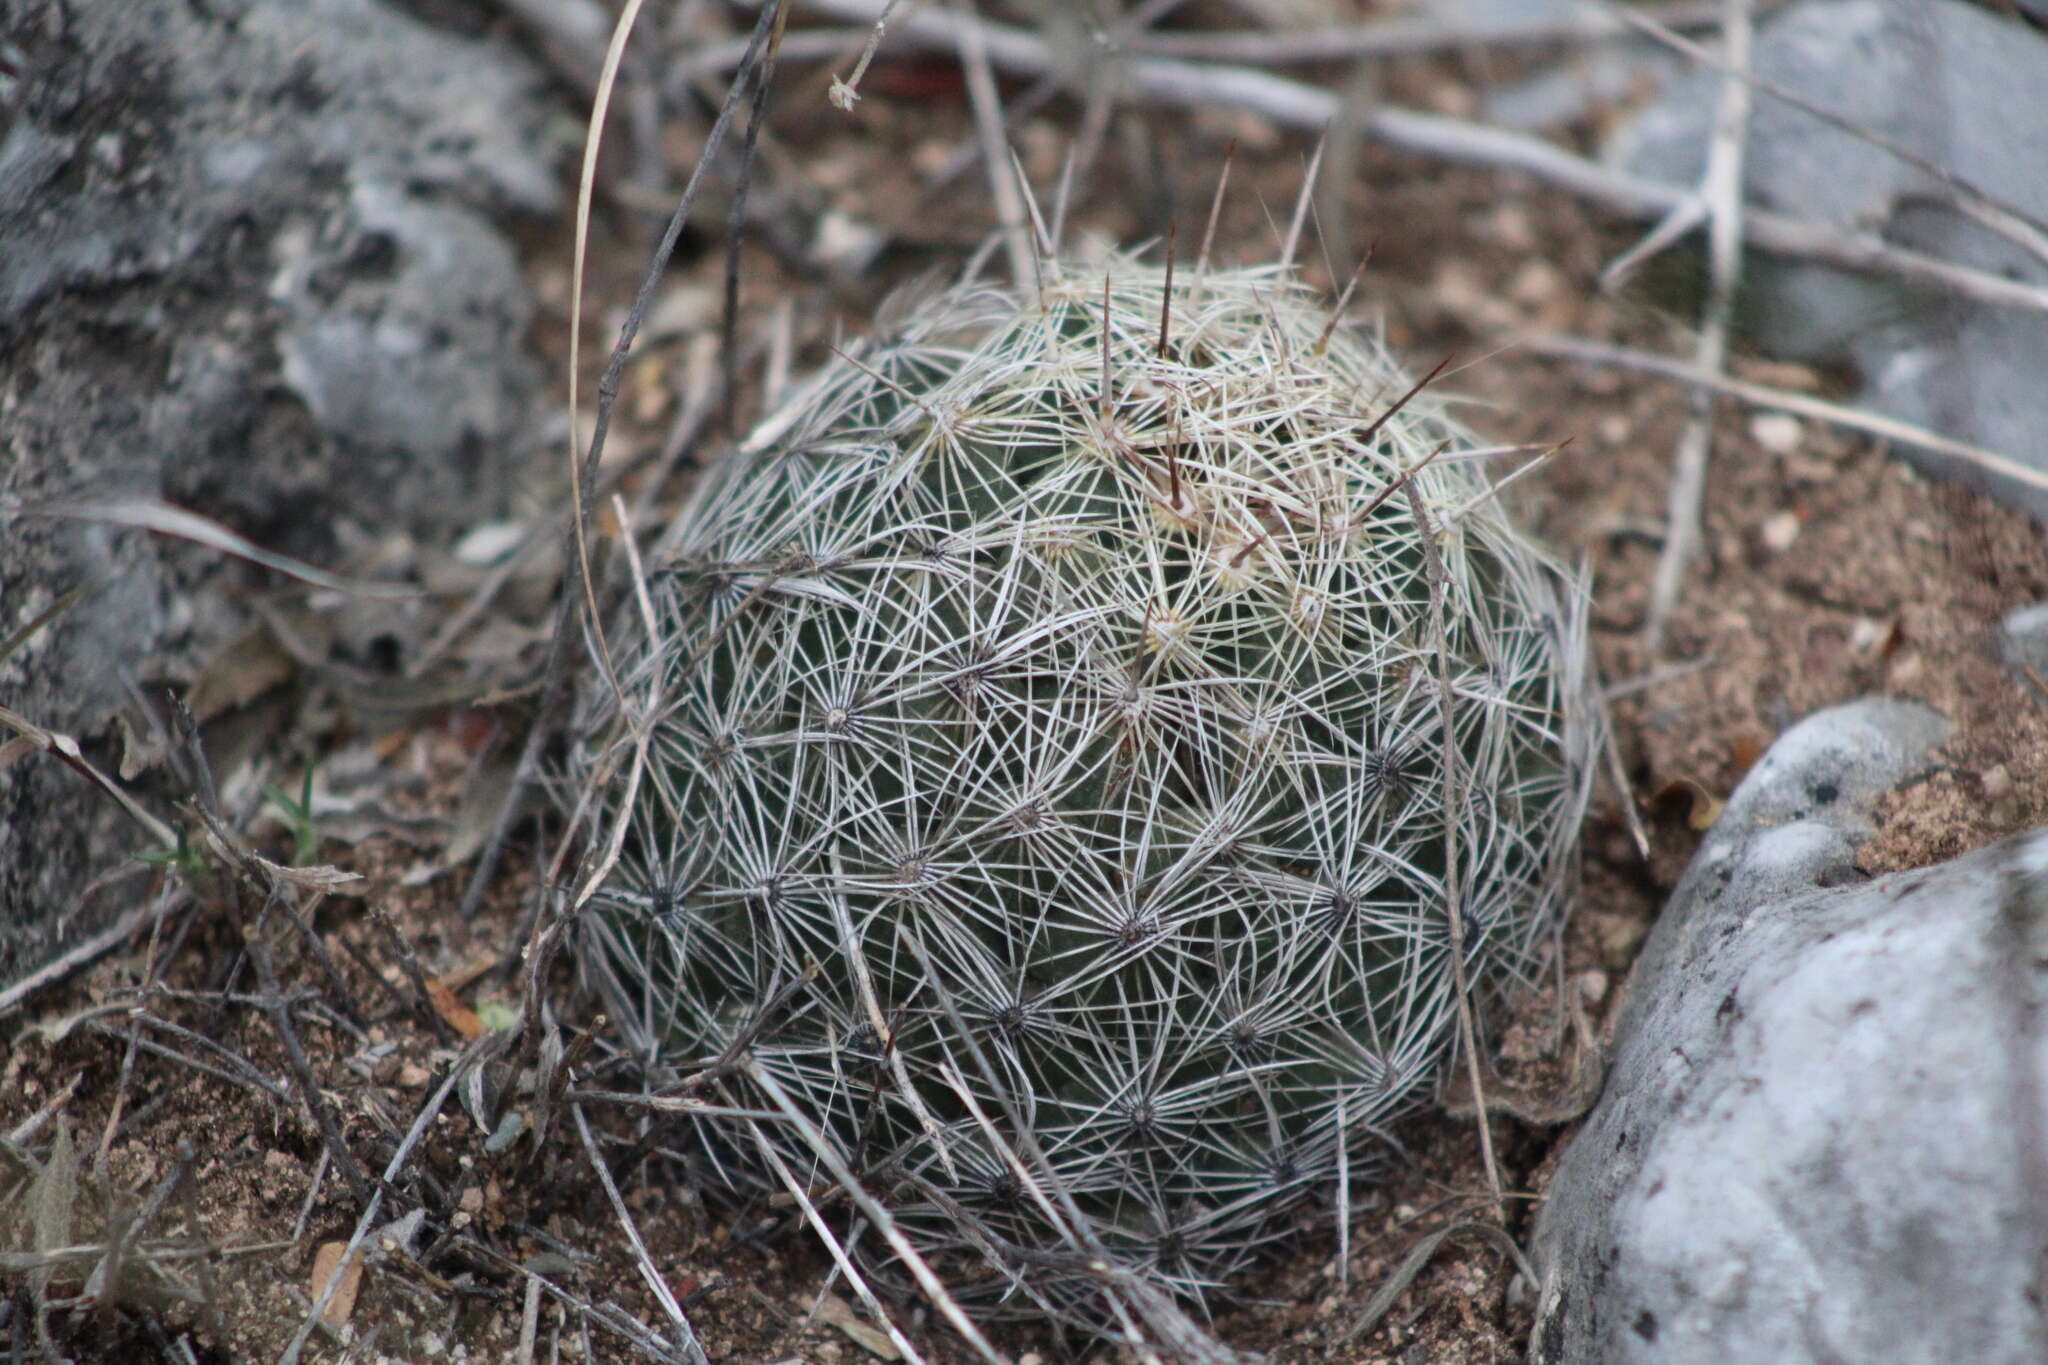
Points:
1074	711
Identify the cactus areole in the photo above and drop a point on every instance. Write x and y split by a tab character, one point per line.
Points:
1055	773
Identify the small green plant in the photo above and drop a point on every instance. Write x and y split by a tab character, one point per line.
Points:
1058	684
298	818
187	859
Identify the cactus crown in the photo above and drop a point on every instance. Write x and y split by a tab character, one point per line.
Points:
1066	703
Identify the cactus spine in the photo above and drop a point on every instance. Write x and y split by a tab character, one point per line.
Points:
1057	689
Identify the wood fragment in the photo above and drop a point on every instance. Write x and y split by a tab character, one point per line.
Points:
334	1266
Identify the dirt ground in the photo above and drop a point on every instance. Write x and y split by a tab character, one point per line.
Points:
1830	571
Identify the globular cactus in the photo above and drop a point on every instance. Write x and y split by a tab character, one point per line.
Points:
1055	761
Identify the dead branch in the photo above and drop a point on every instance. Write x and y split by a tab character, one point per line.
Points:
1784	400
656	1281
1297	105
425	1120
173	897
1415	36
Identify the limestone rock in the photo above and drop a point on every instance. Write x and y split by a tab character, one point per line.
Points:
1957	85
1822	1135
250	266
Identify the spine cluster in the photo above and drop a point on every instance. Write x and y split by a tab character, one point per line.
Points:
1059	763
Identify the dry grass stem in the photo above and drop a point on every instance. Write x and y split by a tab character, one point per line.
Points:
1296	105
1440	581
657	1283
988	124
1784	400
1318	44
1404	36
1721	193
845	94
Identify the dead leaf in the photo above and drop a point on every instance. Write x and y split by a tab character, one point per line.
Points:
498	643
143	747
491	784
52	1201
66	750
318	877
489	542
839	1313
465	976
327	1263
148	514
247	667
647	389
387	701
1684	798
14	749
458	1016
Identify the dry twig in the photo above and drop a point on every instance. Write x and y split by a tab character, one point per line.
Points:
1416	36
1327	43
1784	400
1418	1257
845	94
1296	105
423	1121
1454	796
583	470
173	897
1721	193
656	1282
988	123
2016	225
823	1148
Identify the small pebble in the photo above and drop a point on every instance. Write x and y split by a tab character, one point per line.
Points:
1512	228
930	157
1536	283
1778	432
1780	531
843	242
1592	985
1865	634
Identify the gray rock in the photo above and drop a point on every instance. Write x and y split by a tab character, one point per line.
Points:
2023	639
1822	1136
1796	819
1960	87
250	265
